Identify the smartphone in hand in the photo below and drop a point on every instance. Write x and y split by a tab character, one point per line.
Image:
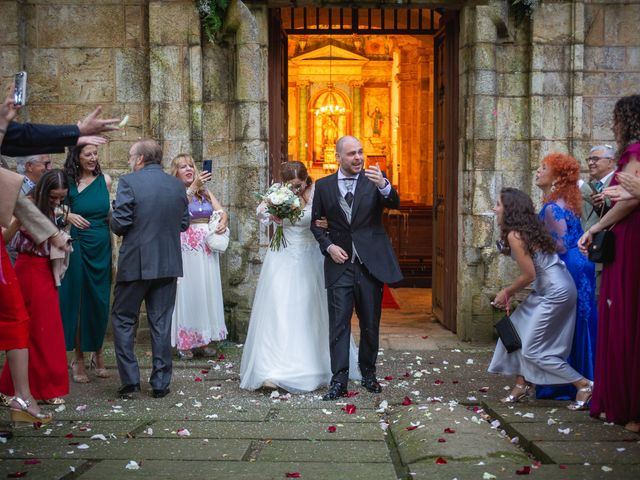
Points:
20	89
207	165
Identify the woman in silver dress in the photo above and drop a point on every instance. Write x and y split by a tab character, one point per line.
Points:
546	319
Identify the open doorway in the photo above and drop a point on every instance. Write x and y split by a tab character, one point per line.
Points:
370	73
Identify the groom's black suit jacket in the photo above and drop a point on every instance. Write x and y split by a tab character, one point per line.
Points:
365	230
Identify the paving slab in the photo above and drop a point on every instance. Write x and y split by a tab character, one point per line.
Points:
572	432
466	471
324	451
541	412
110	469
44	470
84	428
128	449
593	452
329	412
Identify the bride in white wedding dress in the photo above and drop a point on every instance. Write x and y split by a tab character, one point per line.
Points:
287	344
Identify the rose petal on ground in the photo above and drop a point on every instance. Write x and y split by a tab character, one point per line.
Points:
17	475
440	461
32	461
204	372
81	408
61	408
442	440
388	378
99	436
566	431
69	435
526	470
292	475
83	446
406	374
183	432
562	467
352	393
197	379
331	429
407	401
221	356
412	427
483	389
132	465
449	430
487	476
424	337
606	469
438	382
350	409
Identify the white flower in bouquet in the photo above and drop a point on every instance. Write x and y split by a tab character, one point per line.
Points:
282	204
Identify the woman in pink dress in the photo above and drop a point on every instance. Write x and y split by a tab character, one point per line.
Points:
616	396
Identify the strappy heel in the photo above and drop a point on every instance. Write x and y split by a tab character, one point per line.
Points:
23	415
78	377
582	404
525	387
100	372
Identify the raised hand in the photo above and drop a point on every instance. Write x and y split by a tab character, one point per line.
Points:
617	193
8	109
630	183
91	140
374	174
93	125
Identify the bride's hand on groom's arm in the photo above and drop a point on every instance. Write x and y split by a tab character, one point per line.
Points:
337	254
322	223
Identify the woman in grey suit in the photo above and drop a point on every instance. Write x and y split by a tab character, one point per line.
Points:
546	319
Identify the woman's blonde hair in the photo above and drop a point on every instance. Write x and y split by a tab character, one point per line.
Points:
175	165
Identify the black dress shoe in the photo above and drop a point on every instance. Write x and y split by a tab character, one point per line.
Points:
371	384
127	391
336	390
161	393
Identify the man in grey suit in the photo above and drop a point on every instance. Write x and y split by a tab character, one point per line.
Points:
150	211
602	166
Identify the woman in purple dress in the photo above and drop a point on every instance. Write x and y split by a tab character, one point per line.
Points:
616	396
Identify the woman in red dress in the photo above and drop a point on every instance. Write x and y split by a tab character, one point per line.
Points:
616	395
48	378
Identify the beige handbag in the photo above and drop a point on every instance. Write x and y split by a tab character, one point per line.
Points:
10	184
217	242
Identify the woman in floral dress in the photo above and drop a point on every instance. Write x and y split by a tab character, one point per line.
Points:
198	317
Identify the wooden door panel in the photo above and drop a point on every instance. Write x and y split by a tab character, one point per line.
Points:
278	77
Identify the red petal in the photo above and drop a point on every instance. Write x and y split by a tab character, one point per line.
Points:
412	427
440	461
435	401
407	401
69	435
17	475
438	382
33	461
292	475
331	429
425	337
388	378
526	470
406	374
221	356
197	379
449	430
204	372
352	393
37	425
483	389
442	440
562	467
455	382
349	408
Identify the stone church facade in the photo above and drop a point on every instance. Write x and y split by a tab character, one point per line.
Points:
545	83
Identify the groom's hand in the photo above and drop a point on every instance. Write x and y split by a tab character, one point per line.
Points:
338	255
374	174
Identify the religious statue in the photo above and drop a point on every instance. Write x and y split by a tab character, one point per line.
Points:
329	131
376	121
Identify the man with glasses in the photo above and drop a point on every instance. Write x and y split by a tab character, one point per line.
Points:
32	167
602	165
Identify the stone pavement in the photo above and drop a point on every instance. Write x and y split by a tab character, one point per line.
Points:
438	417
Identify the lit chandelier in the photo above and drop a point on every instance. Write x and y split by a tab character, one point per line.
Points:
330	105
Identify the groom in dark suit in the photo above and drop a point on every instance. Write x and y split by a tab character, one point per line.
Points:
359	259
150	211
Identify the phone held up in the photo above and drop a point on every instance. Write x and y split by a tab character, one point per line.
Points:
207	165
20	89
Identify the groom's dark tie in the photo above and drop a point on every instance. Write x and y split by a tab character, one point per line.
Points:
349	198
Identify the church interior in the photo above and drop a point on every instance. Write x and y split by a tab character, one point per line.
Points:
379	88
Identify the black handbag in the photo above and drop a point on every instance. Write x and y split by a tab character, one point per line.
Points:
508	334
603	247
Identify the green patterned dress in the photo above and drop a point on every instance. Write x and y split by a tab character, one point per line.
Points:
84	293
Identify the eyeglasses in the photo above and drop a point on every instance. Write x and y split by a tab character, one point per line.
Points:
595	159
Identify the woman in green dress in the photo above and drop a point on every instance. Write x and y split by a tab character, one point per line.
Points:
85	290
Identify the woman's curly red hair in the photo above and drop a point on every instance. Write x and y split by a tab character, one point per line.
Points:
566	171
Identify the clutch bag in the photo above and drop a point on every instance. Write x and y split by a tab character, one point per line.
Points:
603	247
508	334
217	242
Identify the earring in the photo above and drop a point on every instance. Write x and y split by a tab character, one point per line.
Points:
553	187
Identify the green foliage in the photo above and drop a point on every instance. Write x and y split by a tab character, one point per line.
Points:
523	8
212	13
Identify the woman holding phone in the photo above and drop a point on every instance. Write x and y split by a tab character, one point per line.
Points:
198	317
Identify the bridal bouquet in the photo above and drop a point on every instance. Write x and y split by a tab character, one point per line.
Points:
282	204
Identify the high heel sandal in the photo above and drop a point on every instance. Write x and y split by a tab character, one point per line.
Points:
185	354
23	415
78	377
54	401
582	404
511	398
100	372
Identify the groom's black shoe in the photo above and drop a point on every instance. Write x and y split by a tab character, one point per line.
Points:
371	384
127	391
336	390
